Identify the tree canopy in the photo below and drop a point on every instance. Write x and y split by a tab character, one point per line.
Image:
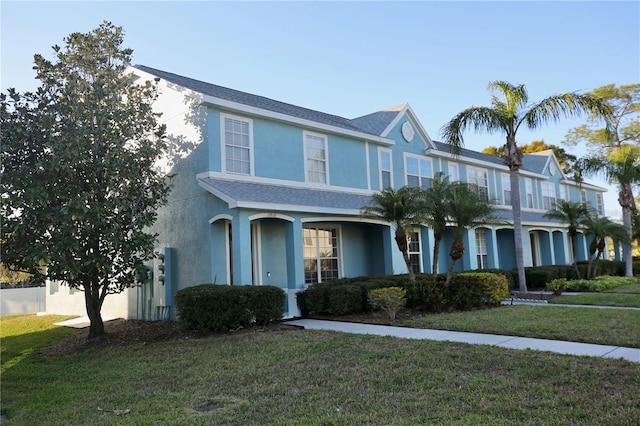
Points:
565	159
79	184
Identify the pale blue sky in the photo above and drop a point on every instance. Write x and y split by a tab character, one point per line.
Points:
354	58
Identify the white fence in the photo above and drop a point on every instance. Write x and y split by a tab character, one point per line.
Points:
17	301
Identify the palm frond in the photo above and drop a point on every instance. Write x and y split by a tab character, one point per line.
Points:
566	105
515	97
476	118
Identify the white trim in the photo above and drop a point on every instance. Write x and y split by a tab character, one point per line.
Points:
416	230
420	158
342	219
486	176
235	107
271	216
339	257
380	151
256	253
220	217
228	251
325	138
223	144
406	110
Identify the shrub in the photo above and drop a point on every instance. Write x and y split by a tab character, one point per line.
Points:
600	283
474	289
426	295
210	307
389	299
344	299
557	286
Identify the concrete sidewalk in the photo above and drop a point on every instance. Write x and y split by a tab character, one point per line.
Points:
510	342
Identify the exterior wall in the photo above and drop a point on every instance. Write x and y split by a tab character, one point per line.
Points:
19	301
62	300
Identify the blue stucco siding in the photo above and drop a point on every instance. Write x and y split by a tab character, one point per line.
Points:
274	252
347	162
278	151
213	141
363	252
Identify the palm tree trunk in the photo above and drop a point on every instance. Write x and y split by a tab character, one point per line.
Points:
516	206
625	198
436	254
574	257
450	272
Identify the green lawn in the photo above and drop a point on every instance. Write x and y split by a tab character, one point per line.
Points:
625	296
618	327
315	378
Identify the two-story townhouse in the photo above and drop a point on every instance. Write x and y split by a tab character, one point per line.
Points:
269	193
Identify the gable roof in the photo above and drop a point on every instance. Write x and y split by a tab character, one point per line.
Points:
257	101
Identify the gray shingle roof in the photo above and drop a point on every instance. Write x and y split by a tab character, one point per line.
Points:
475	155
284	195
536	162
375	123
254	100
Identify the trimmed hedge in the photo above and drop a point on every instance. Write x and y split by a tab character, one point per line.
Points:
349	296
210	307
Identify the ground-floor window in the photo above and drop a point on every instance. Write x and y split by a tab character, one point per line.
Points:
415	251
481	249
320	254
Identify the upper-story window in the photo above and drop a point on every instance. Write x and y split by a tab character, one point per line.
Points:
315	149
238	144
386	168
528	184
548	195
563	193
454	172
583	197
599	204
418	171
506	189
478	177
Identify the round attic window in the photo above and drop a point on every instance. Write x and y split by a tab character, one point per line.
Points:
407	131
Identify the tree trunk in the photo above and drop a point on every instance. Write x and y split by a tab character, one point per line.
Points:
436	253
593	247
93	303
516	207
403	245
574	248
457	251
625	198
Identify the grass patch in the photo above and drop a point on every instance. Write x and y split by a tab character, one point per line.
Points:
318	378
616	327
23	334
601	299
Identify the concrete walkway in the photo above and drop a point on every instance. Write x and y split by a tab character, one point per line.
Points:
510	342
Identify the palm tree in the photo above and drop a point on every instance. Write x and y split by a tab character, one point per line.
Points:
572	214
600	228
402	208
622	166
435	212
467	210
506	115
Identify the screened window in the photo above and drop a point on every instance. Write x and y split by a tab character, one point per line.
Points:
481	249
415	252
237	145
506	189
529	191
418	171
599	203
320	247
478	177
316	157
548	195
386	170
454	172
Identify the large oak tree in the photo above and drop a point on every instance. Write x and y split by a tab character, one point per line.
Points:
79	186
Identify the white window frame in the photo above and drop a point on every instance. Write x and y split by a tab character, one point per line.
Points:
482	256
600	203
528	185
307	158
223	143
506	189
563	193
454	172
549	200
424	176
413	240
382	152
318	255
475	176
583	197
